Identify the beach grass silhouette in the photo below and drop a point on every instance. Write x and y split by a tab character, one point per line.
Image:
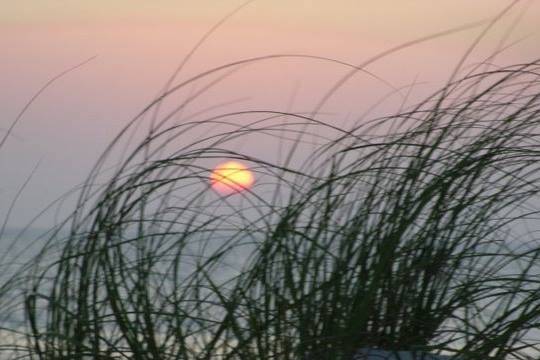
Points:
397	233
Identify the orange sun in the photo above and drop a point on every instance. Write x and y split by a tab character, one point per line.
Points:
231	177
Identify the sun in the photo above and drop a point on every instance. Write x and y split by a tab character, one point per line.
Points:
231	177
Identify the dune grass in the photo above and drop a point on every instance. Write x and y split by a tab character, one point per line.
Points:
410	232
402	233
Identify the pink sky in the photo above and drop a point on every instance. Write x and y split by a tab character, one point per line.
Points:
139	43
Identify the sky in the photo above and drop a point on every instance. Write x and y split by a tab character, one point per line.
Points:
136	45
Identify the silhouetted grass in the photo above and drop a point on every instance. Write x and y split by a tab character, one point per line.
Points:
401	233
408	232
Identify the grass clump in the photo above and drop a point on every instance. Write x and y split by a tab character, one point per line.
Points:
408	232
403	233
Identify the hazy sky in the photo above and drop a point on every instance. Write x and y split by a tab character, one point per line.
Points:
138	44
